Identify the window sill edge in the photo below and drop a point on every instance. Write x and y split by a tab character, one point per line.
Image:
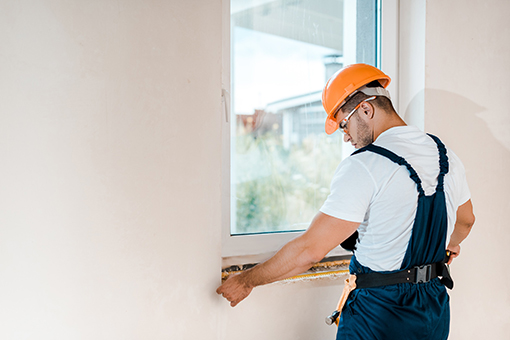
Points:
331	268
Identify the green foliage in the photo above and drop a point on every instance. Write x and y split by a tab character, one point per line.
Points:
281	189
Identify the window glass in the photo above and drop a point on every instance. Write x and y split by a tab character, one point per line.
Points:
282	53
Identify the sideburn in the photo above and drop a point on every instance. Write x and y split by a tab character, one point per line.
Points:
365	135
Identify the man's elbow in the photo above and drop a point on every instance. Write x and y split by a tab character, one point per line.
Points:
468	222
307	258
472	221
311	256
465	216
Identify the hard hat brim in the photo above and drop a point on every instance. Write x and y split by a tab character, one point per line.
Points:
331	125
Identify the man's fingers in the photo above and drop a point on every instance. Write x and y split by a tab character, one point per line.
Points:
221	291
452	256
454	252
234	299
233	290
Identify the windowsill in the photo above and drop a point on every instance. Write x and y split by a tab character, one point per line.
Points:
335	267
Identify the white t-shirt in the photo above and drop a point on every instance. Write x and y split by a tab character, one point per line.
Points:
368	188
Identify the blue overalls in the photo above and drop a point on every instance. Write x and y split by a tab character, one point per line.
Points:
405	311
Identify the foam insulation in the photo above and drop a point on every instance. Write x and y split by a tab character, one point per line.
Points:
331	268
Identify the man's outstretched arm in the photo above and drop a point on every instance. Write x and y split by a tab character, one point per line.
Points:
297	256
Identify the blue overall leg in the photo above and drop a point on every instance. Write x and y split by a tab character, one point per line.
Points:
406	311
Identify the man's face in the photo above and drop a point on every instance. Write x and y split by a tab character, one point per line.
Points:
357	131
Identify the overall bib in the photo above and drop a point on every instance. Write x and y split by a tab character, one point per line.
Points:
407	310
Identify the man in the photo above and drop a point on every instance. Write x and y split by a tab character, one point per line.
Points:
402	197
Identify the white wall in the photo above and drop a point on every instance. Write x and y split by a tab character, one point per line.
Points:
466	103
109	175
110	144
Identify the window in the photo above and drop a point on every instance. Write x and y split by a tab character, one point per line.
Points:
278	160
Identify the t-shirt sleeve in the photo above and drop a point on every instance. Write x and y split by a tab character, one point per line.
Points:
352	189
462	193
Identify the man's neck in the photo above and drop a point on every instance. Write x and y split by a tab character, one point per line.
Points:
386	121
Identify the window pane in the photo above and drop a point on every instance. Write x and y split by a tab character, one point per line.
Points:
282	54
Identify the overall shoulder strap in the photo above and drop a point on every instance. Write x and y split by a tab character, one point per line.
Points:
443	162
396	159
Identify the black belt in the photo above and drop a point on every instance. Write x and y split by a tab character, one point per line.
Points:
419	274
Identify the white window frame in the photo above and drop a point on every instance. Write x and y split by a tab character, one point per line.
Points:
240	249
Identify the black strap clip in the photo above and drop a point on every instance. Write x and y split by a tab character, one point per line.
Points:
423	273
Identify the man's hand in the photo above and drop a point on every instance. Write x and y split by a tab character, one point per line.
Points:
454	252
297	256
234	290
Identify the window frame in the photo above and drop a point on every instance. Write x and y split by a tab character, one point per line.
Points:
250	248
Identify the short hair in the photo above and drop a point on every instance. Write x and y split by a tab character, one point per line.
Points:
383	103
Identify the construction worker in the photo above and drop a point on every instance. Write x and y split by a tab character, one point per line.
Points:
400	202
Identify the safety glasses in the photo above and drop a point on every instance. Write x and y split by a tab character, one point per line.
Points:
343	122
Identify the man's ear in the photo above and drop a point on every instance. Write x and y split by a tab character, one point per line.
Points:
368	110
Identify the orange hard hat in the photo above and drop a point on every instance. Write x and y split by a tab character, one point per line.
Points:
345	83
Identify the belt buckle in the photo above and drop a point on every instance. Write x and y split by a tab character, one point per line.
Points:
423	273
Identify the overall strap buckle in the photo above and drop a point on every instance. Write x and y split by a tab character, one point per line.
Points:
423	273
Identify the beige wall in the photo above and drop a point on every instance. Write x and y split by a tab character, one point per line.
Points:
466	102
110	186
